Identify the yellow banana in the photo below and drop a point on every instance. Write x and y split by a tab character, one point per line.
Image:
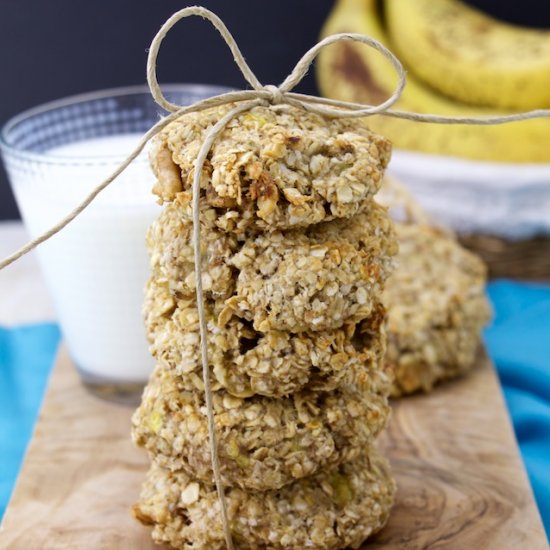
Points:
355	72
470	56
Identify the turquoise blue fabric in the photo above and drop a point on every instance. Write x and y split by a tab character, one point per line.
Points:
26	358
518	341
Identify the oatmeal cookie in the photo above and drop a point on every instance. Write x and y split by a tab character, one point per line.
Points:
436	309
273	168
244	361
264	443
296	281
334	509
317	280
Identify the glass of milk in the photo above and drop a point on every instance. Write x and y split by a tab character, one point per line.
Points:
97	266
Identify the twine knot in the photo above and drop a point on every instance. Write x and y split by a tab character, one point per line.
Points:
276	95
273	95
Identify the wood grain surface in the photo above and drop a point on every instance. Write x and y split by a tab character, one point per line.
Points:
461	480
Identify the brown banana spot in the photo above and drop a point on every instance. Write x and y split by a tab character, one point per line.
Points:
353	67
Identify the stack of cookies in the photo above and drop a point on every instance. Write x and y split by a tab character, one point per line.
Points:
295	254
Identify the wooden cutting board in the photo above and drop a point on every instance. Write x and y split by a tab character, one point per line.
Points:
461	480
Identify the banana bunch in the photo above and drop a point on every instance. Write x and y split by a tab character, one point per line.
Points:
459	61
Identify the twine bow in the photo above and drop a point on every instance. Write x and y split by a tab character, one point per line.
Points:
247	99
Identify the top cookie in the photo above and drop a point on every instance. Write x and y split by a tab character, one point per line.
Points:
272	168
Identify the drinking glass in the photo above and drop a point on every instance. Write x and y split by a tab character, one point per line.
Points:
96	267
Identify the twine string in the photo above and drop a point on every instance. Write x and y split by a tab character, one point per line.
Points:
246	100
211	136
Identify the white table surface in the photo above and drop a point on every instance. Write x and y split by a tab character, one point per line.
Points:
24	297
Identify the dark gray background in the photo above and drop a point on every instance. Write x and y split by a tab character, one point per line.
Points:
54	48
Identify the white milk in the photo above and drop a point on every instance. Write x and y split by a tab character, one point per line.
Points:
97	266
